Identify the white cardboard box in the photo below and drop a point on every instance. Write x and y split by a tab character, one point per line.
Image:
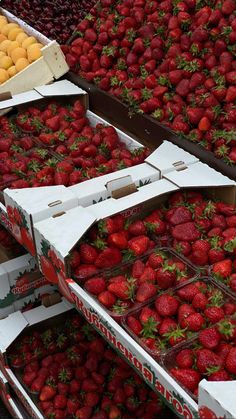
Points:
10	328
218	397
52	65
73	224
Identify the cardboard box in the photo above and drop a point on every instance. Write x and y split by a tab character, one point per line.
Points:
169	157
10	328
8	398
36	204
18	278
217	397
73	224
99	189
52	65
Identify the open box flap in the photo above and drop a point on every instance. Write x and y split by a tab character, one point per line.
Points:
199	175
223	392
64	231
41	313
10	328
168	157
59	88
114	206
139	175
38	199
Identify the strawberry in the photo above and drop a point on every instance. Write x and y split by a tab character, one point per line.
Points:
107	299
188	377
166	305
108	258
145	291
185	358
88	253
178	215
95	285
206	413
118	240
206	360
139	245
134	325
122	289
214	314
209	338
222	269
47	393
185	232
137	228
195	322
230	364
199	301
165	277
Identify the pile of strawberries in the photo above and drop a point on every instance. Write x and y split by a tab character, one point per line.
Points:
79	375
139	281
172	60
225	272
57	145
175	316
201	230
212	355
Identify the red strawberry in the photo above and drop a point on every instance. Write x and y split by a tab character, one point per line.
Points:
95	285
108	258
139	245
107	299
145	291
209	338
214	314
88	253
134	325
118	240
188	377
178	215
166	305
206	359
223	269
137	228
230	362
185	232
185	358
195	322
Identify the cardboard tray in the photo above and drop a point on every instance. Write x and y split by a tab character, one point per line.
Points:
143	126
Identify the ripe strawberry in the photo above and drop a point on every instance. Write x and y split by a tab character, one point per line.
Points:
230	361
145	291
185	358
220	375
88	253
195	322
47	393
222	269
206	413
166	305
134	325
206	360
95	285
118	240
178	215
108	258
199	301
137	228
122	289
107	299
165	277
139	245
188	377
210	338
214	314
185	232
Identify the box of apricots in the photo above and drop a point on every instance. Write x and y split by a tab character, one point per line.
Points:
27	58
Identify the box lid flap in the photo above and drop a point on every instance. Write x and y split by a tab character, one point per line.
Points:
223	392
59	88
10	328
198	175
37	199
65	229
113	206
169	156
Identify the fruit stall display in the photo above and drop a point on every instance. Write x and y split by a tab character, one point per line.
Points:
56	20
173	61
